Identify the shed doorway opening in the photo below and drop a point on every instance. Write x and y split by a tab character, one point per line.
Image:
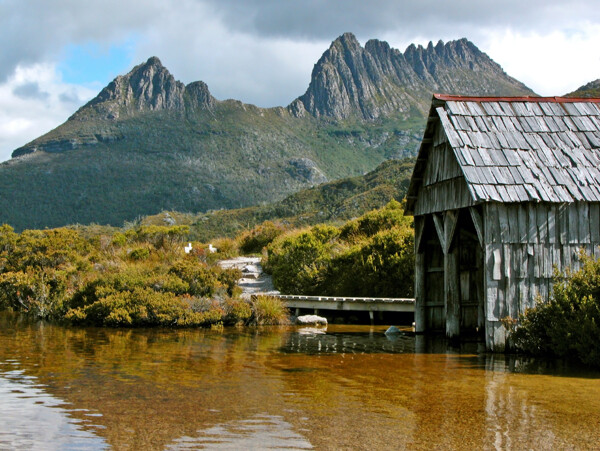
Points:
453	280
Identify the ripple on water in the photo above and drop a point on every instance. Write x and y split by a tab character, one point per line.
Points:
259	432
34	420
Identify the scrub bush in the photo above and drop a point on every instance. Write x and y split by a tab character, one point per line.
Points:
269	310
369	256
253	241
568	325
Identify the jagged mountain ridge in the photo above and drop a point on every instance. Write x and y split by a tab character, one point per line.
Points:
377	80
149	143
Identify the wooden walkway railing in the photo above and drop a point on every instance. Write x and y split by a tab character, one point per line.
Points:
370	305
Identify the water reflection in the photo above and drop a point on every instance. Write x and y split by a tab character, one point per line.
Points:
32	419
349	387
260	432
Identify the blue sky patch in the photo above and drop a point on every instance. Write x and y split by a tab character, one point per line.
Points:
91	64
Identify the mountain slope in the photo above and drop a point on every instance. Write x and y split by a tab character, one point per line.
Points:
149	143
591	89
329	202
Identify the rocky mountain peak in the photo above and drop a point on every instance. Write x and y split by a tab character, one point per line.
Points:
147	87
374	81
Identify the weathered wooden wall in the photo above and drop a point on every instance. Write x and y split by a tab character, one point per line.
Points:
524	242
444	186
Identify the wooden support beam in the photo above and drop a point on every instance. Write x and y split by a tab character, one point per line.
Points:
450	221
419	227
478	223
439	227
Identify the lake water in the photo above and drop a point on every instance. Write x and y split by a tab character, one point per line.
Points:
281	388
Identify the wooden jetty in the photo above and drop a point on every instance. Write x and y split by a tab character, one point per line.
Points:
371	305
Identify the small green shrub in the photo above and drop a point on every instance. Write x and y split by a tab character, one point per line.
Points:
269	310
118	240
139	253
253	241
202	280
38	293
237	311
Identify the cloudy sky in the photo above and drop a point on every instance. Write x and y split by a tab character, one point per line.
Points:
57	54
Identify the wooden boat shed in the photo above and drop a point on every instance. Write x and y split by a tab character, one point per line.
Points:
504	190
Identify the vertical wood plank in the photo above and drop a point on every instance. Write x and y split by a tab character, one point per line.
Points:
501	309
595	223
584	222
523	259
536	261
420	320
542	222
507	254
522	213
497	262
557	257
532	228
573	224
530	260
452	293
490	285
512	299
504	223
524	301
513	222
563	217
494	220
567	252
548	260
552	224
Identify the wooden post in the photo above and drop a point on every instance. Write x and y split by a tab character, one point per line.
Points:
452	294
451	276
420	320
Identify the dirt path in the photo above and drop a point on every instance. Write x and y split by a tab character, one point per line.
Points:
253	280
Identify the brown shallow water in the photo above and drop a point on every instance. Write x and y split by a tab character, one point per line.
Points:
281	388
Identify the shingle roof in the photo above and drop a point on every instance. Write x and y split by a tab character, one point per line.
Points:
521	149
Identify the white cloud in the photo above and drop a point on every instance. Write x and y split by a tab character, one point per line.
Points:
265	71
552	64
25	117
263	51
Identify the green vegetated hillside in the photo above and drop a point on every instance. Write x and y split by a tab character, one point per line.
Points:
591	89
331	202
148	143
205	165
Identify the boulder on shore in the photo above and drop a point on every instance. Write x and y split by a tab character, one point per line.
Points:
312	320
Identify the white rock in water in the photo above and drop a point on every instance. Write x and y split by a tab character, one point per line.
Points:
312	320
393	330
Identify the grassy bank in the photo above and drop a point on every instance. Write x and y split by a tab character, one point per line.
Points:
138	277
